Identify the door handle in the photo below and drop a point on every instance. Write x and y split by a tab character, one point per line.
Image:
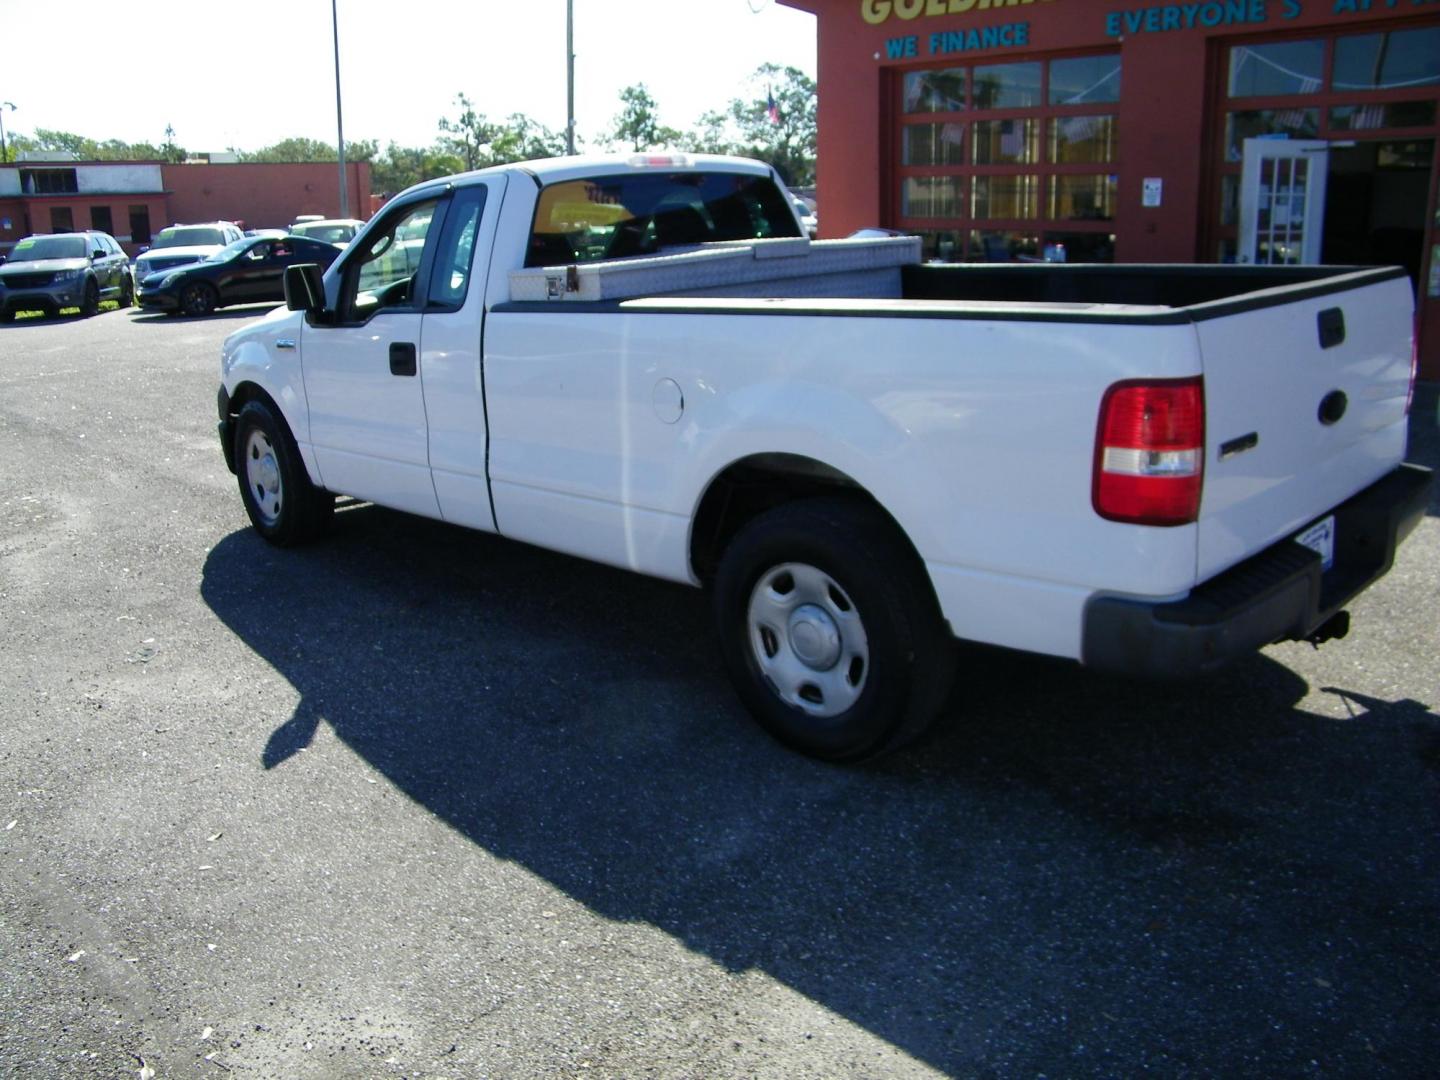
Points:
402	358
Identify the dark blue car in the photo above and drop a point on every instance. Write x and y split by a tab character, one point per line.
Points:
245	272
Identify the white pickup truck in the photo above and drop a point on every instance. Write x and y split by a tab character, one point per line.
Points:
1148	469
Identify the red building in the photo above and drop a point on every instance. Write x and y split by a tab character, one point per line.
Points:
132	200
1133	131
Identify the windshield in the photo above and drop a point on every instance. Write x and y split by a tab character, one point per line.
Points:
188	236
329	234
230	251
35	248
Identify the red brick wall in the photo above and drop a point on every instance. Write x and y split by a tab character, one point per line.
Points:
263	196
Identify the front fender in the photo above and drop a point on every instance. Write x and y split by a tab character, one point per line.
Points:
254	362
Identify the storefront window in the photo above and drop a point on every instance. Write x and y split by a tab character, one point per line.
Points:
940	245
1004	246
935	91
1007	142
1086	247
1282	123
1083	80
1007	86
1016	197
1390	114
1026	165
934	144
1082	198
1083	140
932	197
1285	67
1397	59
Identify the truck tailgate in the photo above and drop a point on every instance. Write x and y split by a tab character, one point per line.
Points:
1305	406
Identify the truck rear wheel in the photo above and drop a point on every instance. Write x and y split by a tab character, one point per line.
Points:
284	506
830	630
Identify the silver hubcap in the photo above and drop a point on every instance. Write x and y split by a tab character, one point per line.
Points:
262	474
808	640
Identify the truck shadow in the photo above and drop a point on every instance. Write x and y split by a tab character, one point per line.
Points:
1075	875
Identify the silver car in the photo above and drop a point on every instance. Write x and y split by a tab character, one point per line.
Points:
64	270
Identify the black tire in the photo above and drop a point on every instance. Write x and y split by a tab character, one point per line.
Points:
127	293
880	659
7	316
284	506
197	298
91	304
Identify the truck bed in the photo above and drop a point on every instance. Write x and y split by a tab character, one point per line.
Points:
885	276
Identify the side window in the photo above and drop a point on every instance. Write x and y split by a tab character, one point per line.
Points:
382	274
258	252
450	280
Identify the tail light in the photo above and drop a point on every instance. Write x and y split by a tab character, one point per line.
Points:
1150	452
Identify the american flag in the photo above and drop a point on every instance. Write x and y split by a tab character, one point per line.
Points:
771	109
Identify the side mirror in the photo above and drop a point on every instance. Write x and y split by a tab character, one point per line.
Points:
98	253
304	287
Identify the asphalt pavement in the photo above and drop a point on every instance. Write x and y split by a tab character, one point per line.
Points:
420	802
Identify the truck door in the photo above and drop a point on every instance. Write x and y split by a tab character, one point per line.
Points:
361	365
450	361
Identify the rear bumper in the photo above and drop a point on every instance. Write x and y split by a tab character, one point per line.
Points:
1280	594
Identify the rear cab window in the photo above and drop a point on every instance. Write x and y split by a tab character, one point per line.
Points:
620	216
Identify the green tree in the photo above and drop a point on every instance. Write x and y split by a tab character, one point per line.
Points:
711	135
401	166
789	144
477	142
469	135
524	139
170	151
636	126
294	149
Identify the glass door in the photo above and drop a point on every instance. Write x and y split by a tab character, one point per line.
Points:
1282	201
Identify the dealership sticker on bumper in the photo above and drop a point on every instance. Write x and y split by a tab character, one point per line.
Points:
1320	538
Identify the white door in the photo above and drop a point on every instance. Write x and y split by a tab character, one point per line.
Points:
1282	201
362	375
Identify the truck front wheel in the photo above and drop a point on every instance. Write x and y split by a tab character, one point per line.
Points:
284	506
830	630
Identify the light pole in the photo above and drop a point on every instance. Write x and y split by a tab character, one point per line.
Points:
570	77
4	153
339	122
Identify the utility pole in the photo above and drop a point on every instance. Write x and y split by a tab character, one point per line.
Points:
339	122
570	77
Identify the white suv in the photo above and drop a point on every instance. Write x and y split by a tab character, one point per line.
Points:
179	245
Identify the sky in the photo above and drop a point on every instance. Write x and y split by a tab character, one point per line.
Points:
250	74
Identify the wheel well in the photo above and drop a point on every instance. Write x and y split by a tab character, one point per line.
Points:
750	487
247	392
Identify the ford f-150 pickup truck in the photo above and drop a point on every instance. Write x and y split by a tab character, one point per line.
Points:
644	361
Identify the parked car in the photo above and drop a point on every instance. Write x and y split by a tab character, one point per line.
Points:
177	245
62	270
248	271
808	219
266	232
1150	470
337	231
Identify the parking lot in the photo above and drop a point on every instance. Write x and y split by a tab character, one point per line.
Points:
422	802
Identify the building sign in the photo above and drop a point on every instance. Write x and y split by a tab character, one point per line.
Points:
876	12
1005	36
